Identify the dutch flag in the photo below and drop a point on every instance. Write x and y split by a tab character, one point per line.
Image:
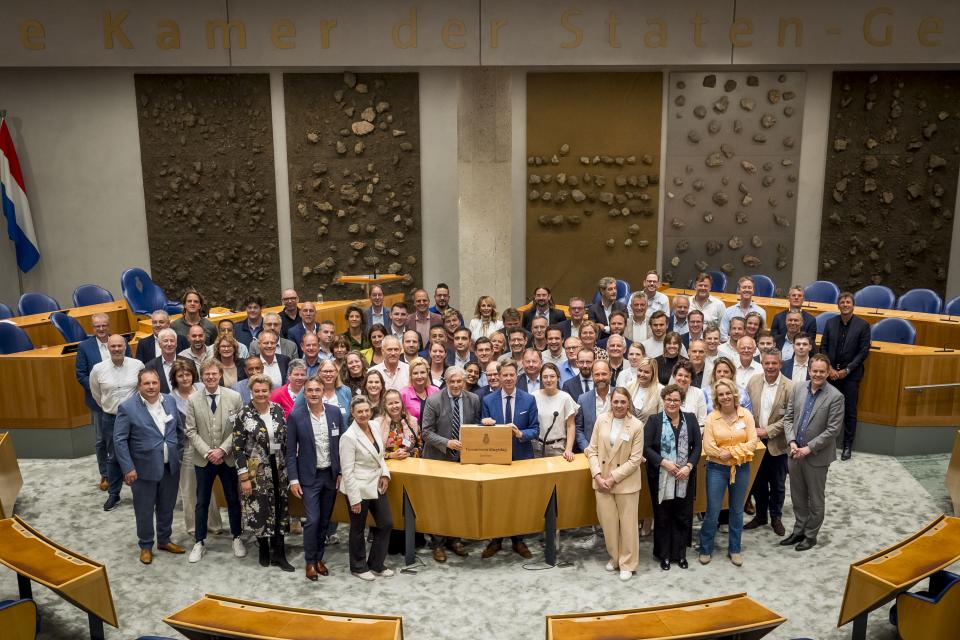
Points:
13	199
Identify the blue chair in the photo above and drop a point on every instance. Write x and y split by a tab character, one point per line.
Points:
821	291
13	339
69	328
763	286
623	292
143	295
875	296
88	294
33	302
894	330
952	308
719	281
823	318
6	312
19	618
921	301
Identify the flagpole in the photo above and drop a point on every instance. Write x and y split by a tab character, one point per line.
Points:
3	115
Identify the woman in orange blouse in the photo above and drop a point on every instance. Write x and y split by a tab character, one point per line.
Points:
729	439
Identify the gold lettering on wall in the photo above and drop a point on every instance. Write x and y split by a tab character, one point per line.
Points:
698	22
929	27
495	26
410	26
656	38
226	29
32	35
572	28
113	30
868	33
453	29
797	25
282	33
169	35
326	26
741	27
612	22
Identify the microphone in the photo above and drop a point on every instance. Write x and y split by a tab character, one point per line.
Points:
543	440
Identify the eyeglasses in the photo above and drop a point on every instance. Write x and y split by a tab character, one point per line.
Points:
671	400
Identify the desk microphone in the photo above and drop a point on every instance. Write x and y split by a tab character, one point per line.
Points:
543	440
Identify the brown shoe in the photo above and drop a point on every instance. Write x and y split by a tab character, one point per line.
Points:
146	556
459	549
322	569
439	554
748	508
777	527
311	571
170	547
491	549
756	523
522	550
104	484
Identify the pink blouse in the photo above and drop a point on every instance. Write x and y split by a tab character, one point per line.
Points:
411	402
281	395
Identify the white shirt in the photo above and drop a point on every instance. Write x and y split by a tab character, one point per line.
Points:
653	347
548	357
460	362
694	403
637	330
397	380
480	330
160	420
744	373
800	371
188	353
736	311
272	370
787	351
563	405
110	385
322	438
713	309
767	395
659	302
603	404
104	350
615	428
728	351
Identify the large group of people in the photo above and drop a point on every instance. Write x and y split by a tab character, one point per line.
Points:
279	402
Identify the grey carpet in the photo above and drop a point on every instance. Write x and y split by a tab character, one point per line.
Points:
872	502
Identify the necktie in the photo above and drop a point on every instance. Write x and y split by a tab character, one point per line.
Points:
455	427
508	412
586	385
213	403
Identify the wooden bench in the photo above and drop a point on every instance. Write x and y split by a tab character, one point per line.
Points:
953	476
78	580
216	616
735	615
10	479
878	579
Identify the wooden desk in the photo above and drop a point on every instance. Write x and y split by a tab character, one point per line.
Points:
216	616
735	615
43	333
952	480
10	479
879	578
78	580
368	280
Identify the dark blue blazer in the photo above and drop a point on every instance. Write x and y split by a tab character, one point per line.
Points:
302	447
139	444
147	348
88	354
296	333
525	417
244	334
574	387
779	326
602	343
452	357
855	349
483	391
554	316
786	368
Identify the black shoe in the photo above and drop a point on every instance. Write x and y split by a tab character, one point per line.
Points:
807	543
278	556
665	565
847	452
112	503
792	539
264	544
682	563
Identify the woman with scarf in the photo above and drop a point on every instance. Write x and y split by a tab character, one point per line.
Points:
671	445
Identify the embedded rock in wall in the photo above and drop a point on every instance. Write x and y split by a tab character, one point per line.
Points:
206	145
354	171
891	179
732	176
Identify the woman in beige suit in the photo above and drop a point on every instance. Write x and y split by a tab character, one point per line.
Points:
365	479
645	394
615	455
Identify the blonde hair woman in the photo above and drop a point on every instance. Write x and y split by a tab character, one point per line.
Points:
645	391
485	322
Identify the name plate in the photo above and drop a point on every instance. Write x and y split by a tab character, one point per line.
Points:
486	445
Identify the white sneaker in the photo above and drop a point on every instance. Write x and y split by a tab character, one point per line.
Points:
366	575
610	566
386	573
239	549
197	552
626	575
333	539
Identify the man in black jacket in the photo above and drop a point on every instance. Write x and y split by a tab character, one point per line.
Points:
846	341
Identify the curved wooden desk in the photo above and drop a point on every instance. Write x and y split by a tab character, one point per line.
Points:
953	476
878	579
10	479
216	616
42	332
735	615
76	579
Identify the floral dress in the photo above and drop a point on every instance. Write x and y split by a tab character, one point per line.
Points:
402	435
265	510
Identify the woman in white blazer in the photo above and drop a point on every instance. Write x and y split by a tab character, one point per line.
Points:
365	479
615	455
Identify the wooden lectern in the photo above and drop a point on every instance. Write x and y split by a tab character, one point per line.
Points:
486	445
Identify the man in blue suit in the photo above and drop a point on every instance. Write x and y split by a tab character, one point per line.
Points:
587	414
90	352
778	326
313	465
511	406
149	438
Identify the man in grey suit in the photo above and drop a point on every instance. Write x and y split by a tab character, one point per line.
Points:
210	415
149	440
813	419
443	413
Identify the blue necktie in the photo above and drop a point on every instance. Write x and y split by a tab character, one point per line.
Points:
213	403
508	412
455	427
